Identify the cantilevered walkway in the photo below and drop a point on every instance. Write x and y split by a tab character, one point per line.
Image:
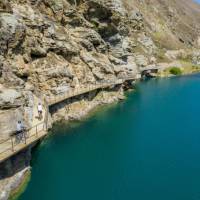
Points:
11	146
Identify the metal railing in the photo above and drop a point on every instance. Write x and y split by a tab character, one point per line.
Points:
84	89
16	142
11	144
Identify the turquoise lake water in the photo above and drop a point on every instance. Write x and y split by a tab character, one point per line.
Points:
145	148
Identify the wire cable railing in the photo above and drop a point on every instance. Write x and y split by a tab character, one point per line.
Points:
17	142
84	89
20	140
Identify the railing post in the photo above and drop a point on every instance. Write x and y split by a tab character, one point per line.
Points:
25	137
12	144
36	131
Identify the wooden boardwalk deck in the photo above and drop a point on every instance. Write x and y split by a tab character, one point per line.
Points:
11	146
81	90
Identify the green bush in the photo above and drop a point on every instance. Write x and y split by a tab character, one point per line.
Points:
175	71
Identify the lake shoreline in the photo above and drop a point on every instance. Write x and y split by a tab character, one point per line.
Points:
23	183
125	145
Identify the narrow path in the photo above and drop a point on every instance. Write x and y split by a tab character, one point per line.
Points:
38	129
36	119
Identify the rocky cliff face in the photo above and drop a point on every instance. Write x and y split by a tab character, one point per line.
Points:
51	46
172	24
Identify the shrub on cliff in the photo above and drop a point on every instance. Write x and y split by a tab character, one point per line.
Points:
175	71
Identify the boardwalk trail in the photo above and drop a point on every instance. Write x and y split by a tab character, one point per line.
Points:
39	128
